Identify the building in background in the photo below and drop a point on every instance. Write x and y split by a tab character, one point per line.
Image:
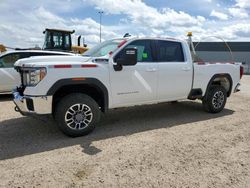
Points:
218	51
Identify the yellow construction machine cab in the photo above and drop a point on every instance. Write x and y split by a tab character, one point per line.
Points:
60	40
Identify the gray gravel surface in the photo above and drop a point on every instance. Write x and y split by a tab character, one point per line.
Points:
165	145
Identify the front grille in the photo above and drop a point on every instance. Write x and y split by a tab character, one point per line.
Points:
21	88
21	74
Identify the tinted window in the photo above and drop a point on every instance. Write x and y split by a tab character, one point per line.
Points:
170	51
9	60
67	41
43	54
58	40
144	52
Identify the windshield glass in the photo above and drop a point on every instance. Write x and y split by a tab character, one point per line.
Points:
103	48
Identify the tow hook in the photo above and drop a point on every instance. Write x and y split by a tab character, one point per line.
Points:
17	109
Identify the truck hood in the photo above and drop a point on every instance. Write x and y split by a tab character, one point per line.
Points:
44	61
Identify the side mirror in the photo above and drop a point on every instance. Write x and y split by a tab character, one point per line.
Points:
128	57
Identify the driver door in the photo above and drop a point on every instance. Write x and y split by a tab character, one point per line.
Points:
135	85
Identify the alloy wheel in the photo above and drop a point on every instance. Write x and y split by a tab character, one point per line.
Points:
78	116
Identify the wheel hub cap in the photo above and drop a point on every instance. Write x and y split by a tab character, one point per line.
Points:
218	99
78	116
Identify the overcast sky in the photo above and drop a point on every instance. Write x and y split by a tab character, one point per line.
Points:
22	22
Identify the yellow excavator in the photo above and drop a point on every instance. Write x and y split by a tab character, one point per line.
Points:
56	40
61	40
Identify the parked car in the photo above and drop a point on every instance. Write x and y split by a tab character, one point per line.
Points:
9	78
120	73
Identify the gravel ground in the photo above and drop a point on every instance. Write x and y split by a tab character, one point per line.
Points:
166	145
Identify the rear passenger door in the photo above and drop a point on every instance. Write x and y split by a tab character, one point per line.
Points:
175	72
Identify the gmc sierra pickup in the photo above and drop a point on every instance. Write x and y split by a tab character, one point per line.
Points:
120	73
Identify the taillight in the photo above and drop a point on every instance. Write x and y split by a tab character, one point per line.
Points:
241	71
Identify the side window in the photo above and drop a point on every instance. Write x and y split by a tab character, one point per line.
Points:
32	54
144	52
169	51
57	40
67	41
38	54
9	60
1	62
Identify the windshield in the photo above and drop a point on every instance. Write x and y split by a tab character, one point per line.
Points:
103	48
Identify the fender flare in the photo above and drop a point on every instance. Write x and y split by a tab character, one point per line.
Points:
219	76
86	81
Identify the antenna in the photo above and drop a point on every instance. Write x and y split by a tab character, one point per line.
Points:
190	42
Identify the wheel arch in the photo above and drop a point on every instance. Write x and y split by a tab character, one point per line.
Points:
222	79
89	86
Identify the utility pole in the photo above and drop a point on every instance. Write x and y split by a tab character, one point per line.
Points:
100	12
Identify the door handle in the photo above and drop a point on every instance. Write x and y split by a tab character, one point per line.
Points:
186	68
151	69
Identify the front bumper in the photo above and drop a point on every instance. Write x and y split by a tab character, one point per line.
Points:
28	105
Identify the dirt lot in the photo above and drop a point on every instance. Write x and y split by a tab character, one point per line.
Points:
166	145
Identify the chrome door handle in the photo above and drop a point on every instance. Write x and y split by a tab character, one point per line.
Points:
151	70
186	68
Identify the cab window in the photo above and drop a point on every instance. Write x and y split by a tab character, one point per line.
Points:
169	51
144	50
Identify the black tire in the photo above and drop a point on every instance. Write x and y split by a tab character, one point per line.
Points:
81	113
215	99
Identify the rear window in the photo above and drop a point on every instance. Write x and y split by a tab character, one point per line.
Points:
169	51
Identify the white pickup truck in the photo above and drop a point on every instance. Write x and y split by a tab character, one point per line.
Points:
120	73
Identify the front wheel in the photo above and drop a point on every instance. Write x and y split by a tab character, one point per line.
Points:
76	114
215	100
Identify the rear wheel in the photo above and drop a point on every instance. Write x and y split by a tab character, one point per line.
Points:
76	114
215	100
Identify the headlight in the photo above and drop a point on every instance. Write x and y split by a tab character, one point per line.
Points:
32	76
